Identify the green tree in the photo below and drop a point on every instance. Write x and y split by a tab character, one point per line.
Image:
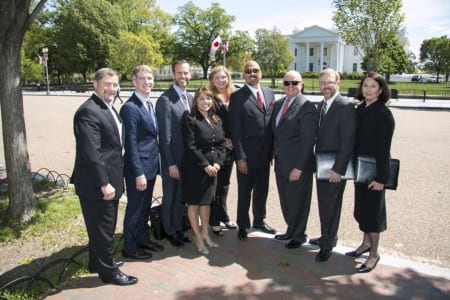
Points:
87	31
368	25
273	53
393	58
435	55
132	50
16	16
241	48
197	28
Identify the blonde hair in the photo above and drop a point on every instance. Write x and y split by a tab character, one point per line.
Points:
213	88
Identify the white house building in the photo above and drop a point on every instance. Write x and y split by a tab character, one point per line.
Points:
316	48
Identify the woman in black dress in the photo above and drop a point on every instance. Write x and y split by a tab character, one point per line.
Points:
221	85
375	127
204	140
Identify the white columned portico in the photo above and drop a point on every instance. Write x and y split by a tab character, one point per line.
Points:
321	58
307	57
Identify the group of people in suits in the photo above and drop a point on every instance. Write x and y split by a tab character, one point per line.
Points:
193	143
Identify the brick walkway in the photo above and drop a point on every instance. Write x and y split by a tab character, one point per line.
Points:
261	268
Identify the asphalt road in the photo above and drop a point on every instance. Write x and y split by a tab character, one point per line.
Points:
418	212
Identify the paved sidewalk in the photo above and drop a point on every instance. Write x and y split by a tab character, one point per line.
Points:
261	268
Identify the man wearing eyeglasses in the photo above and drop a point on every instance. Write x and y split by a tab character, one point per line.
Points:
250	112
294	126
336	134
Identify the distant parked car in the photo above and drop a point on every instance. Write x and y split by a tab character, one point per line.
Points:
432	79
417	78
236	75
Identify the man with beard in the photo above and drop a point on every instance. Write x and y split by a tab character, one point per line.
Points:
250	112
170	108
335	134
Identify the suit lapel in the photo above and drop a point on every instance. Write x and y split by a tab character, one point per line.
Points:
110	117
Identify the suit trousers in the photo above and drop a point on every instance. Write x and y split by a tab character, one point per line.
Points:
135	224
219	212
173	208
295	201
329	196
100	217
255	183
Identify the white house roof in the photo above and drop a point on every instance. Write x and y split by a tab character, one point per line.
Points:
315	33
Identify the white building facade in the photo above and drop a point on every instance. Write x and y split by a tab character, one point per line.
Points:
316	48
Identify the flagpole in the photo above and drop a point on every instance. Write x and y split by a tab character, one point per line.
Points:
225	55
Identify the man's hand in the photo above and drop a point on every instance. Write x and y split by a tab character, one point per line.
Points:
141	183
242	166
108	192
335	177
174	173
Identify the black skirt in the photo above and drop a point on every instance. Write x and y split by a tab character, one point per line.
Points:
370	209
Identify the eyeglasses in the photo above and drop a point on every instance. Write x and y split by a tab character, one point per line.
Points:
250	71
294	83
327	82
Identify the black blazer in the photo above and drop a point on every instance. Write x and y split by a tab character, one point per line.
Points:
98	158
250	126
336	132
375	128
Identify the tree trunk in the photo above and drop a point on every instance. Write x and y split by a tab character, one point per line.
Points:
14	20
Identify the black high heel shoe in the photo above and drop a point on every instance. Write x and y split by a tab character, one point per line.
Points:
217	232
365	269
356	254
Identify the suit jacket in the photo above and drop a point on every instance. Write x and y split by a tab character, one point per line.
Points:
295	136
141	140
98	158
336	133
169	112
250	126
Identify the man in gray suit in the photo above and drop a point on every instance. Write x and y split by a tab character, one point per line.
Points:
294	126
170	107
336	133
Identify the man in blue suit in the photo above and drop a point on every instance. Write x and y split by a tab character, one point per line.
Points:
141	164
170	107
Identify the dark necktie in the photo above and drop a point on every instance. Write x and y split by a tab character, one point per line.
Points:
323	111
260	100
151	112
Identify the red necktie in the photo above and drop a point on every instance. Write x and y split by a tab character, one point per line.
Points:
260	100
285	108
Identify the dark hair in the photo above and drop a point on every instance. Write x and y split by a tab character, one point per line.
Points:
212	112
178	62
385	92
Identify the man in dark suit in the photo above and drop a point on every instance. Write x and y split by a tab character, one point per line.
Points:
170	107
336	133
294	126
250	112
98	174
141	165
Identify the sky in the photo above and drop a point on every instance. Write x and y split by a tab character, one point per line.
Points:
424	19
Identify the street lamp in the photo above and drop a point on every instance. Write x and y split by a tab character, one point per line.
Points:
45	52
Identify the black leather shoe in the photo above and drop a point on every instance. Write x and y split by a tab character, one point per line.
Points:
365	269
316	241
282	237
152	246
265	228
175	241
139	254
323	255
356	254
293	244
184	239
242	234
121	279
117	264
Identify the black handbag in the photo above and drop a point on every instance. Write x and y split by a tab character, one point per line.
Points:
366	170
156	224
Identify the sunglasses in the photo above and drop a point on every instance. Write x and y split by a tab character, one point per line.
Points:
294	83
250	71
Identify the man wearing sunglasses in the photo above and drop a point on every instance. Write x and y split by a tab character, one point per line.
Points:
294	126
250	111
336	134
